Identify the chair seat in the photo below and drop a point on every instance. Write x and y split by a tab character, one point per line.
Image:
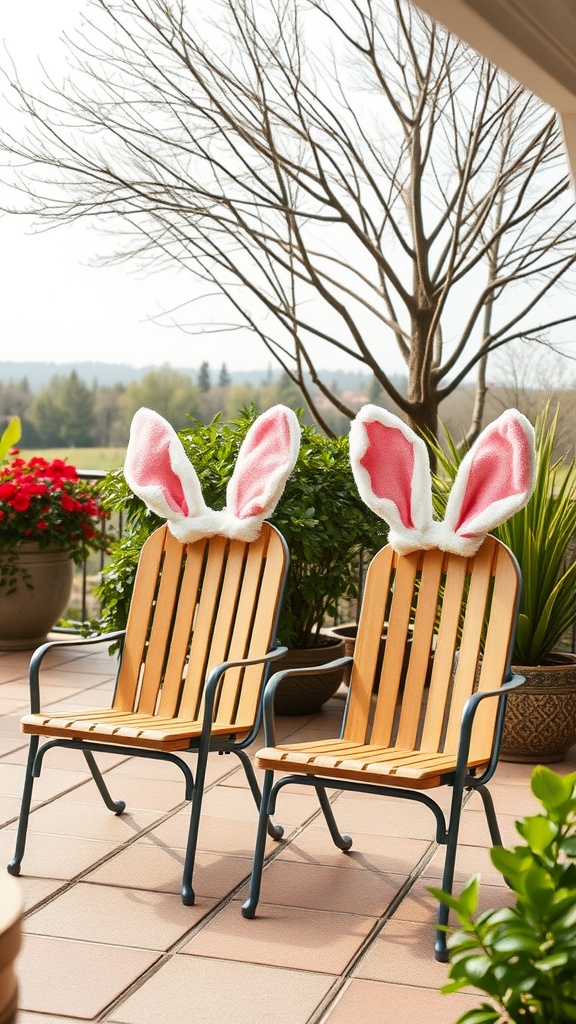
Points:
384	766
126	727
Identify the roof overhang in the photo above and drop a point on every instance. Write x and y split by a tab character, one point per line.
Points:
534	41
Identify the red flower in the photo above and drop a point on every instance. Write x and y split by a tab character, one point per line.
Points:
48	502
20	502
69	504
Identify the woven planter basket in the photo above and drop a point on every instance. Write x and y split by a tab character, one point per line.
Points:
540	721
302	695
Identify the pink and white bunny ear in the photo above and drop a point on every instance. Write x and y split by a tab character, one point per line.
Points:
157	469
494	481
392	472
265	461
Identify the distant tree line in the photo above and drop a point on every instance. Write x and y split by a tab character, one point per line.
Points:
67	412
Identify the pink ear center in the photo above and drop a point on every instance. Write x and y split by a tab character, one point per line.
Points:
500	469
151	467
389	462
266	449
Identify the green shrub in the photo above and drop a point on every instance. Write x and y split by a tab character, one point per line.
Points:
524	957
325	523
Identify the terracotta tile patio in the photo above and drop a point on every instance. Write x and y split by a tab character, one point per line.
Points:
339	938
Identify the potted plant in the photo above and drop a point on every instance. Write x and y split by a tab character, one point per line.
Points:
540	722
49	519
320	514
524	956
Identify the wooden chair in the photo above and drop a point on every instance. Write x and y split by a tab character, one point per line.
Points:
195	655
412	737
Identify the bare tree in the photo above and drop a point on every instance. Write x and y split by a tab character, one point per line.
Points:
530	377
341	175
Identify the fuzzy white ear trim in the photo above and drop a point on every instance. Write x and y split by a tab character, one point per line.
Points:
265	461
494	481
157	469
220	524
392	472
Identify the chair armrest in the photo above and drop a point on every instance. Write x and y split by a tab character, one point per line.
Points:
219	670
42	651
471	704
470	708
274	682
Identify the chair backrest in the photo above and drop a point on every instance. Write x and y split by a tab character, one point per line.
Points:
449	623
193	607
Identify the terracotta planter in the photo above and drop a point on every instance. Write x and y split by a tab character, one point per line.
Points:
302	695
540	722
40	598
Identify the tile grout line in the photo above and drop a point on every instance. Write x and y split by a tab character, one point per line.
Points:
69	883
319	1015
339	982
174	949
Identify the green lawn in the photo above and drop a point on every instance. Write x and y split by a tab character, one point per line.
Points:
82	458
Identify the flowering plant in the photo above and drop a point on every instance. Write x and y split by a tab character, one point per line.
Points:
46	502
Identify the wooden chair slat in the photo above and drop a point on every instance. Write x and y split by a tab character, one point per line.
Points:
499	637
234	614
395	647
203	628
265	605
178	647
138	624
421	649
469	646
160	635
367	647
446	642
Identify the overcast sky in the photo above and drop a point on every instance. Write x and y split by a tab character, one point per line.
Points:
55	305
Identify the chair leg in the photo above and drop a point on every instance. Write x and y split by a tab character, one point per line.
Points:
188	895
274	831
343	842
249	907
14	865
118	806
440	948
490	812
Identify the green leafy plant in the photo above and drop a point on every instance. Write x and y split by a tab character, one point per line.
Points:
10	436
543	538
324	521
524	956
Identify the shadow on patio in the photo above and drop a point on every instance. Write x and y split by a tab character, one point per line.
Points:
107	938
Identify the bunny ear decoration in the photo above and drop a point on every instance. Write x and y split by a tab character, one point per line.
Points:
158	470
265	461
392	473
494	480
